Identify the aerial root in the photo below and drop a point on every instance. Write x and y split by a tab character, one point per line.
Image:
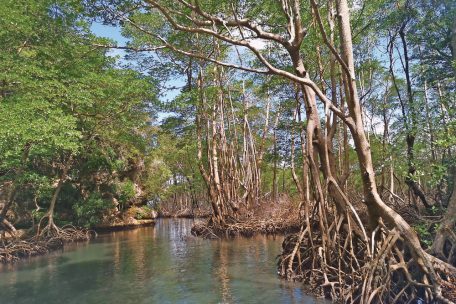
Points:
341	267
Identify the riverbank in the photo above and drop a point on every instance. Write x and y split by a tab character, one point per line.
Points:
29	245
124	225
273	218
14	249
184	213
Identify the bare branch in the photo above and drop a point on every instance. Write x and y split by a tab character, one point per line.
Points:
327	42
135	49
270	68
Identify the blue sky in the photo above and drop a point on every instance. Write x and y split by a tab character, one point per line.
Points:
108	31
111	32
114	33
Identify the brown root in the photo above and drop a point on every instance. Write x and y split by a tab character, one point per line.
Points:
8	227
247	228
51	238
345	268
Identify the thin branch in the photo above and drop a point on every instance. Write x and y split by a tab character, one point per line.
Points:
327	42
236	22
270	68
205	58
130	48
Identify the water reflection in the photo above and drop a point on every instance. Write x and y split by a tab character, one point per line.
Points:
222	273
153	265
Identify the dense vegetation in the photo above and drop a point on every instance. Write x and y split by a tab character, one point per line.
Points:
75	126
339	115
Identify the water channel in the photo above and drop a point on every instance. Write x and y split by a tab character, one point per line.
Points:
161	264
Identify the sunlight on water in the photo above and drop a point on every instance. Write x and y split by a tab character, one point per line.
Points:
164	264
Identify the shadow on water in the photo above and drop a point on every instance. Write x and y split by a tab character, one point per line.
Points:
161	264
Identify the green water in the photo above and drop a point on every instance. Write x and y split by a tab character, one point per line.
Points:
163	264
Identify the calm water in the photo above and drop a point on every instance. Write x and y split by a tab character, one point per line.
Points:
164	264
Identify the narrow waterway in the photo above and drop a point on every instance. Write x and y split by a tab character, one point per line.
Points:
161	264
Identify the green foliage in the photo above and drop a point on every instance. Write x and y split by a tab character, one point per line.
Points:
38	214
126	192
143	213
435	210
89	212
60	96
423	232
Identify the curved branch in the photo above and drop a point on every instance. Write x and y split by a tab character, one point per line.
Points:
130	48
236	22
205	58
261	58
190	54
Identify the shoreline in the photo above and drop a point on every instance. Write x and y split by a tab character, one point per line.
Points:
124	226
14	250
246	228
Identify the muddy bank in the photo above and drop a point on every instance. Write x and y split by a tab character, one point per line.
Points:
124	225
26	243
184	213
14	249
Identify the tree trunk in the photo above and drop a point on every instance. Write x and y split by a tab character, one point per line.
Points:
51	229
293	168
411	126
9	202
376	207
211	191
275	187
13	193
444	246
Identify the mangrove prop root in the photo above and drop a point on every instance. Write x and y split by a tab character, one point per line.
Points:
214	229
344	269
11	250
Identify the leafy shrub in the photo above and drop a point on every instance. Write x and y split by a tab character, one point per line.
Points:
141	213
425	236
90	211
144	212
126	192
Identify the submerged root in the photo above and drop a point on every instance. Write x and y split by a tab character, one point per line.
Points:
343	267
51	238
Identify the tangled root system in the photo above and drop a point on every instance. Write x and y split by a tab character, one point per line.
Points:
247	228
341	266
51	238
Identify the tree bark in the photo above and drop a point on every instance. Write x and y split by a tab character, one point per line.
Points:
376	207
444	245
51	228
211	191
13	193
